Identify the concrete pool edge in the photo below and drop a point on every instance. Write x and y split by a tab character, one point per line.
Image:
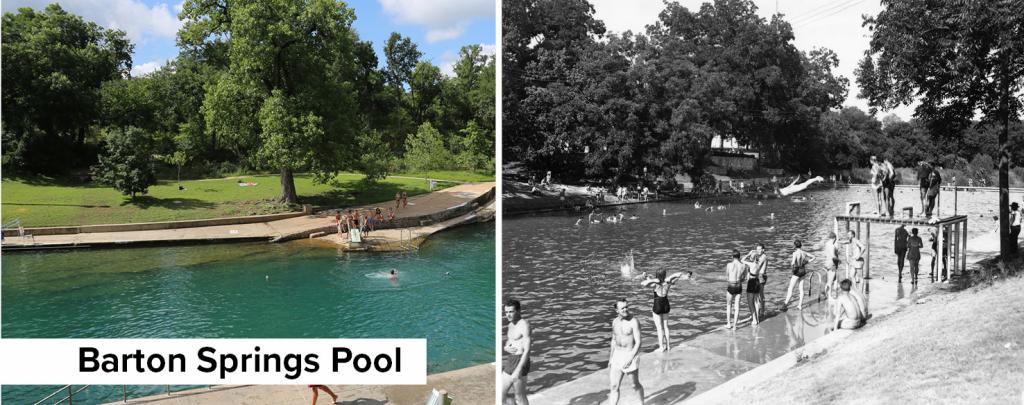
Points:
424	209
472	385
700	368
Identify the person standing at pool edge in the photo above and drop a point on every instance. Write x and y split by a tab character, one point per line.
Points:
735	273
914	245
661	307
625	352
517	354
900	246
757	261
798	261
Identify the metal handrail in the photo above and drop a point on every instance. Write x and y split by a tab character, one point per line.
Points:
70	398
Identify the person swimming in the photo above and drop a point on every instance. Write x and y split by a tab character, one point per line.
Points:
628	266
393	275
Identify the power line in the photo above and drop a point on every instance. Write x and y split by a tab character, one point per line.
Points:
807	22
825	13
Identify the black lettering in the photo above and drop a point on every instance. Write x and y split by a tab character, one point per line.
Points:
398	359
366	361
204	359
87	359
312	365
176	357
224	367
345	356
109	364
157	368
376	363
293	366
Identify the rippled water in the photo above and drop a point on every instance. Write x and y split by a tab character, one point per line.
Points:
258	291
568	277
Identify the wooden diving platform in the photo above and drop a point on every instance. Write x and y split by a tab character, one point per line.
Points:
950	231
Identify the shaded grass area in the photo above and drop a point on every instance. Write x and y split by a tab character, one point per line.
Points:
963	347
42	201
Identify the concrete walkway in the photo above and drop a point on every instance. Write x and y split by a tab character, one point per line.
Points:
710	362
472	385
421	205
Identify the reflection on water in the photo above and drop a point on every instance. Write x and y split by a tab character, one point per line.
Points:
445	293
568	277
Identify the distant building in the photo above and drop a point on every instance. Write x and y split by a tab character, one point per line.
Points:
728	154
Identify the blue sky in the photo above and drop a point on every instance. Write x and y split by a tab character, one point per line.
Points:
438	27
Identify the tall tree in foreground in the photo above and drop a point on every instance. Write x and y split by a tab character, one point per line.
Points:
287	100
956	57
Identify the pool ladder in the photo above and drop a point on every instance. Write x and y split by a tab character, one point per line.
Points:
405	244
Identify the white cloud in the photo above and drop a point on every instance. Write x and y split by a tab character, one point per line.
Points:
833	24
146	68
443	19
488	49
448	59
133	16
443	34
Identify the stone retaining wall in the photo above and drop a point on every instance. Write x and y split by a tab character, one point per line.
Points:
151	226
404	222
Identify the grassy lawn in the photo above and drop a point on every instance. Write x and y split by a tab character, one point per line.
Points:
40	201
963	347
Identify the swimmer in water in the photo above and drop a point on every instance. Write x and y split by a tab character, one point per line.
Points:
664	212
696	205
393	275
578	221
634	217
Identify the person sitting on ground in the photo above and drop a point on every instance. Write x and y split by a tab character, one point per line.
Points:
850	312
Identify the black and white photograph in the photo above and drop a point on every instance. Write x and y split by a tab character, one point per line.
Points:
768	201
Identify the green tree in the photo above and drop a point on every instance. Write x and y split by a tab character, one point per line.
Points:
425	150
54	63
401	56
955	58
287	99
127	161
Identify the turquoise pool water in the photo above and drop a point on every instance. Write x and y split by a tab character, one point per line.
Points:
445	293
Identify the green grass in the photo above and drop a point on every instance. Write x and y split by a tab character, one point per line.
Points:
42	201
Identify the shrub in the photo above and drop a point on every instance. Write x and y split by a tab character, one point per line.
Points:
127	161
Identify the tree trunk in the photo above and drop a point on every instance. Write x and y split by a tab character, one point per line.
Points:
288	194
1005	247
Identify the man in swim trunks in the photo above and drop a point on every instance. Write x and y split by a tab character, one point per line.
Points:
736	273
856	256
831	264
934	185
516	360
798	261
900	246
757	261
850	312
625	352
924	170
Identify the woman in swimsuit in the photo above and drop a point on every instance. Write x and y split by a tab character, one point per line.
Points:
660	309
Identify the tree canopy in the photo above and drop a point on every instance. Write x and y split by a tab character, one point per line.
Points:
955	58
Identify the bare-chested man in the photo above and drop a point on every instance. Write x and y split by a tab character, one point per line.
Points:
757	261
855	262
625	352
735	273
831	264
850	308
516	362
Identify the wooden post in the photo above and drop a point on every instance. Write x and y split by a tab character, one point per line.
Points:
955	249
963	254
937	269
867	250
938	204
955	198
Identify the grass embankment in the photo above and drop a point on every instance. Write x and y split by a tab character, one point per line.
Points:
965	347
40	201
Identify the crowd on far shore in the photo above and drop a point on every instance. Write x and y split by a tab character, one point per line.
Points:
356	223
